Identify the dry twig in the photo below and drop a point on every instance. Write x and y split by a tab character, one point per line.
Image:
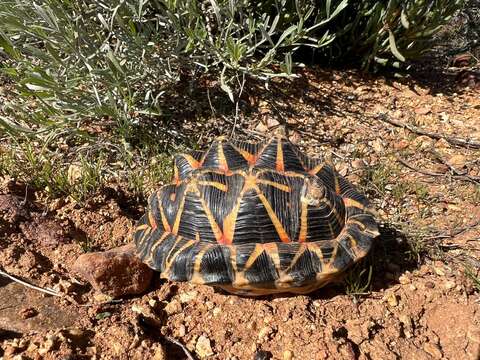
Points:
179	344
456	172
431	173
470	144
31	286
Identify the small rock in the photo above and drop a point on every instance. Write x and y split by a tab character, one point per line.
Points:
27	313
271	123
457	161
442	144
358	164
377	146
392	299
188	296
48	345
182	330
173	307
116	272
400	145
407	325
216	311
264	332
74	173
433	350
403	279
287	355
449	284
439	271
261	127
429	285
423	110
203	347
423	142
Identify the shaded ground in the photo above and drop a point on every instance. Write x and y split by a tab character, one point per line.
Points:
421	303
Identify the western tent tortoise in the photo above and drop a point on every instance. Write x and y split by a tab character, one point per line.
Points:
254	219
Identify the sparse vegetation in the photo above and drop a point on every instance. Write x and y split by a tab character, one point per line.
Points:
358	280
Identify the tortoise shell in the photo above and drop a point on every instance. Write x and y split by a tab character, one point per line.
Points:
254	219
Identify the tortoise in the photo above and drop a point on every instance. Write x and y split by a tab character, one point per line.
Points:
254	219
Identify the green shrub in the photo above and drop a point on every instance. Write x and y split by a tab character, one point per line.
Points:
118	59
83	59
388	32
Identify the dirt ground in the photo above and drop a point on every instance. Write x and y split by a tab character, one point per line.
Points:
422	301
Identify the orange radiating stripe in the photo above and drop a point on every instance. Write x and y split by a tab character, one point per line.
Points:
176	224
316	249
272	251
276	222
280	164
251	158
299	253
191	160
176	177
282	187
221	158
337	184
351	202
229	224
253	256
218	185
316	169
155	246
168	263
152	221
302	237
196	276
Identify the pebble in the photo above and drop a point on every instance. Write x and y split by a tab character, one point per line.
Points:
182	330
117	272
433	350
429	285
392	299
449	284
47	345
203	347
173	307
188	296
287	355
403	279
264	332
217	311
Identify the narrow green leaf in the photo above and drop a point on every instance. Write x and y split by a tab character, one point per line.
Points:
404	19
393	46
